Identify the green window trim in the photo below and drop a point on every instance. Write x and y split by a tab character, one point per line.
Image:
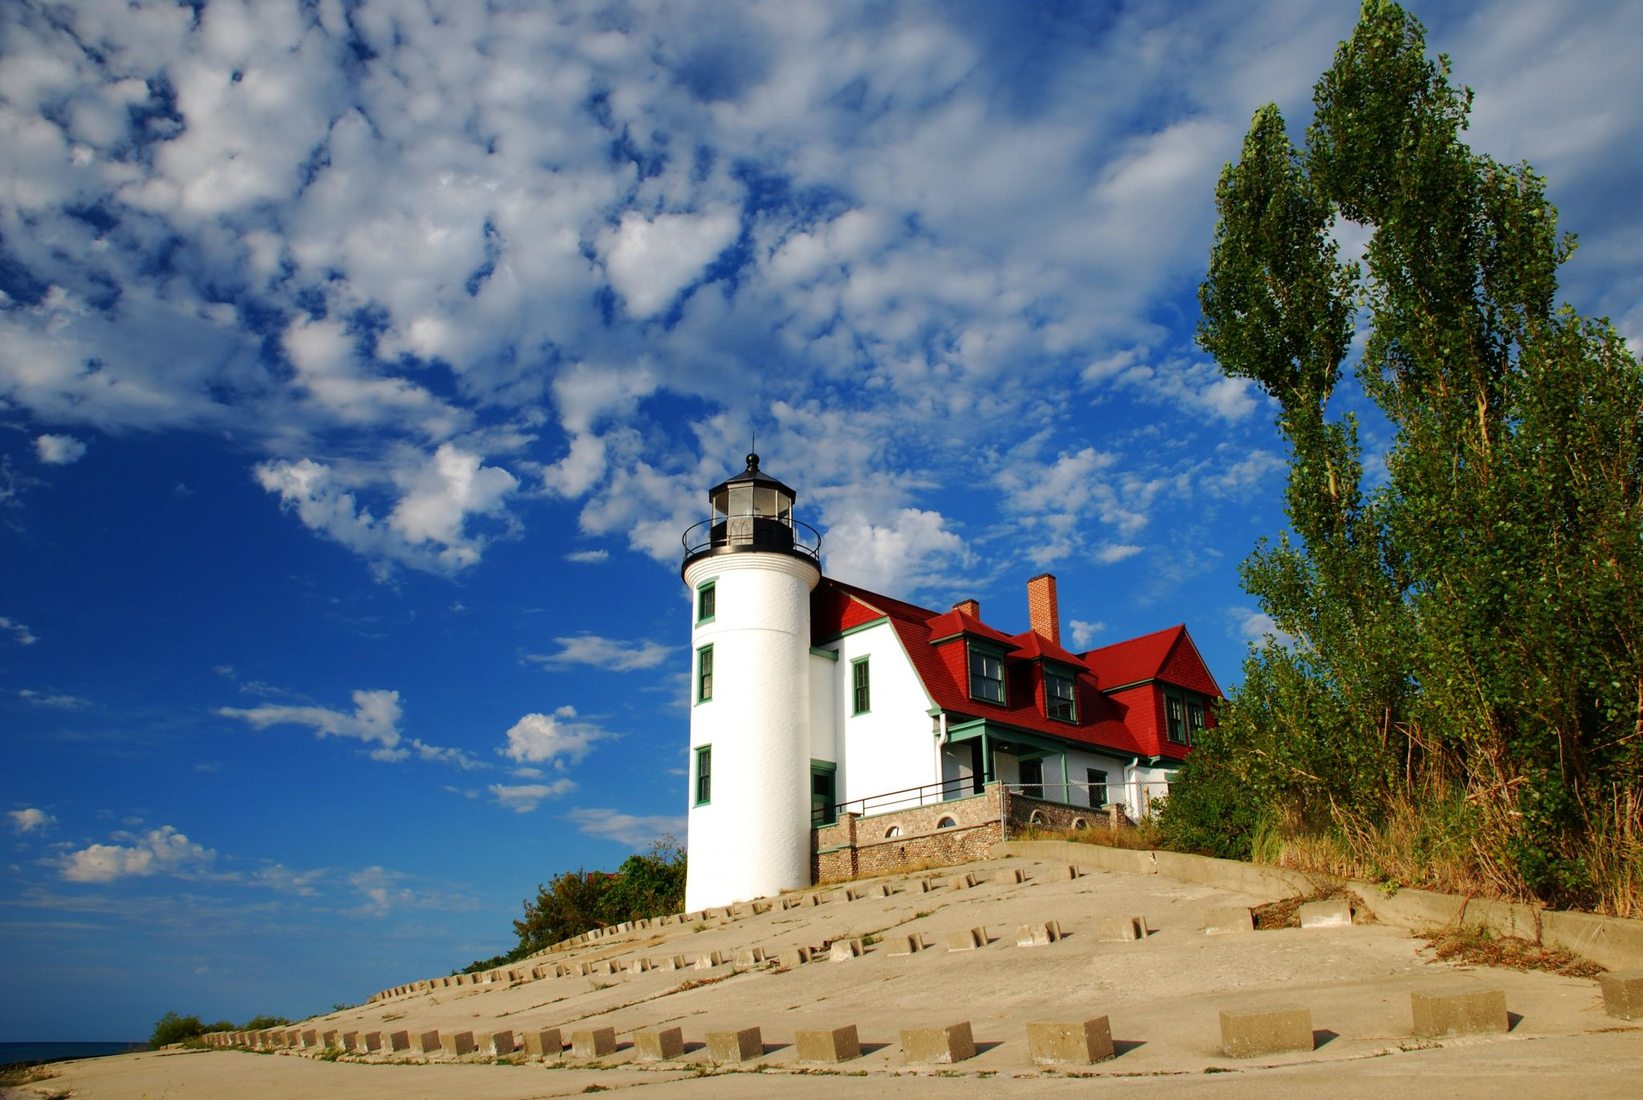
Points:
861	686
1183	717
1060	695
987	678
707	601
704	775
704	674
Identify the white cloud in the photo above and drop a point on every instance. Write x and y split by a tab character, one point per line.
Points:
30	819
1085	632
375	719
588	557
52	700
59	450
912	549
650	260
1116	552
558	738
159	851
428	527
1258	627
23	634
525	797
631	829
284	880
606	653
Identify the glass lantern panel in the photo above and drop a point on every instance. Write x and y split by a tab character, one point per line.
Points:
721	505
764	501
741	500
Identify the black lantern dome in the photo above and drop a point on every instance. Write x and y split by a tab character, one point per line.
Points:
751	511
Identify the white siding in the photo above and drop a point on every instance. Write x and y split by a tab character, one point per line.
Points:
824	709
890	747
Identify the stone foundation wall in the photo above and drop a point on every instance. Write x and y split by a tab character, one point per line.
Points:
1027	812
859	847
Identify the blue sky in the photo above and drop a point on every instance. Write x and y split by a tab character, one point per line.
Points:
361	365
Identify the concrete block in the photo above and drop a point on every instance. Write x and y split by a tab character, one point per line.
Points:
329	1039
396	1041
658	1046
1335	913
1249	1032
371	1041
1440	1013
938	1045
812	900
674	962
595	1042
749	957
426	1042
611	966
544	1044
310	1038
1227	919
844	950
540	972
1616	942
965	939
1070	1044
838	1045
909	944
961	882
790	903
1038	935
735	1047
1063	872
1121	929
1010	876
709	960
638	966
455	1044
500	1044
925	885
350	1040
742	909
1623	995
793	956
842	895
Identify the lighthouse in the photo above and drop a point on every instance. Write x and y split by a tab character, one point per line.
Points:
750	569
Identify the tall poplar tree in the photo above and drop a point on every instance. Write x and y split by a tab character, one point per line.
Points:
1467	631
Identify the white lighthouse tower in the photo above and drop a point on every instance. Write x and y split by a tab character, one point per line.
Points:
750	569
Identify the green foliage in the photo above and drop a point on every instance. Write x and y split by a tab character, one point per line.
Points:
648	885
1474	622
172	1028
262	1023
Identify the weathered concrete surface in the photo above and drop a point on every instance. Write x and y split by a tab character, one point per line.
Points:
1439	1013
1162	996
1270	1030
1080	1043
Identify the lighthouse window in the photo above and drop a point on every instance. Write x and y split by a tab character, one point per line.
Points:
986	676
704	674
704	775
861	687
706	602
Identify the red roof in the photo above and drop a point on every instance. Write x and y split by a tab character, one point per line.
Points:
931	641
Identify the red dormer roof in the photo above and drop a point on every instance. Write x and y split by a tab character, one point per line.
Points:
1166	655
929	639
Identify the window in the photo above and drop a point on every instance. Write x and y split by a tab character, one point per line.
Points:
986	676
892	832
946	823
861	693
823	786
1195	720
1060	695
706	602
704	674
1032	778
704	775
1175	715
1098	787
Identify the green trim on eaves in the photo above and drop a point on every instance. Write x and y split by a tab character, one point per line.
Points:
830	654
856	629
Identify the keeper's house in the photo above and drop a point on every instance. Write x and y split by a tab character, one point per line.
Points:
835	731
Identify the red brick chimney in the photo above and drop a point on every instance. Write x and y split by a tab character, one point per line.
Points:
969	607
1042	610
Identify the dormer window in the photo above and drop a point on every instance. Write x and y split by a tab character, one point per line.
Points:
1060	694
986	675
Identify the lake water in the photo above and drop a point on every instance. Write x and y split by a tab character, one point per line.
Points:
56	1052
